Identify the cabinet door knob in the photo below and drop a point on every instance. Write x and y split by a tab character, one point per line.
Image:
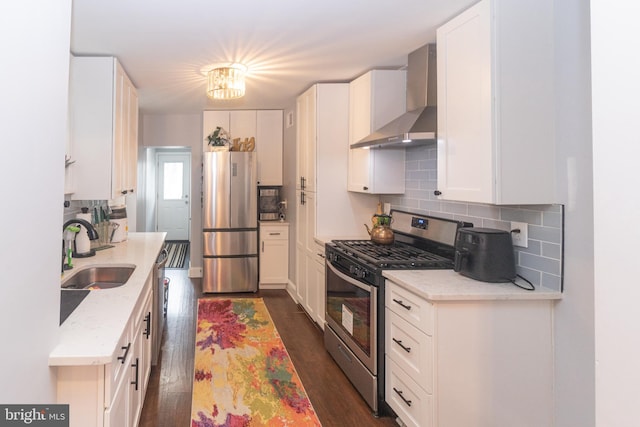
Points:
437	193
365	188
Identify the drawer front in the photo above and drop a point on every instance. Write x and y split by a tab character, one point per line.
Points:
139	314
120	361
319	255
411	349
410	307
412	404
274	233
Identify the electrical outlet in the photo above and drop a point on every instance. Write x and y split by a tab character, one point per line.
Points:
522	238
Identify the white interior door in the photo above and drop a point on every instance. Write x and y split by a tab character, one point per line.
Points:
174	200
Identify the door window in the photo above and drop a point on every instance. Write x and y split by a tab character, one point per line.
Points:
173	184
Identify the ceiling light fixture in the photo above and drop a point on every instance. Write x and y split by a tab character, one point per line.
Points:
226	82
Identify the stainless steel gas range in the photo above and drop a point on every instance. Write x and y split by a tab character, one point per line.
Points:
354	335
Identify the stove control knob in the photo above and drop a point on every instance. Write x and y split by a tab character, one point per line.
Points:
362	274
353	270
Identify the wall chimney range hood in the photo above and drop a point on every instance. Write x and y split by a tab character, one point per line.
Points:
419	124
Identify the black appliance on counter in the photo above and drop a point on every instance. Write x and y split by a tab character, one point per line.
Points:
355	298
485	254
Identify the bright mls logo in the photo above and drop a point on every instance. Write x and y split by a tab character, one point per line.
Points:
34	415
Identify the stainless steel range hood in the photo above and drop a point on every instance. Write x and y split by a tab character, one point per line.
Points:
419	124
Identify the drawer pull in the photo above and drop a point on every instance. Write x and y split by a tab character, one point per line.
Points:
402	304
137	366
147	331
399	342
274	234
399	393
126	351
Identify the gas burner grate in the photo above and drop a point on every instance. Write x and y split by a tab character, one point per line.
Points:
396	255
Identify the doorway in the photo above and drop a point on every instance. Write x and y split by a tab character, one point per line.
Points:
173	198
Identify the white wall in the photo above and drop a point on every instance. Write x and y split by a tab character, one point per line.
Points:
574	315
615	40
34	41
181	130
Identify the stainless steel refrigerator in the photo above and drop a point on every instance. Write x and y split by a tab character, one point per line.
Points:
229	222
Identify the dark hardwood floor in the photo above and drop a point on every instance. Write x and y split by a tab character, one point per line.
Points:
168	398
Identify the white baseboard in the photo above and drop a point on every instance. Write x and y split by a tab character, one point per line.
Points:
272	286
291	290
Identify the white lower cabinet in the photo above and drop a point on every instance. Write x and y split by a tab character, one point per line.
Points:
140	366
312	289
112	395
274	253
117	414
320	287
457	362
409	356
310	285
412	404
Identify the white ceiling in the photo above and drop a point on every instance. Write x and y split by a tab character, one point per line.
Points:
287	44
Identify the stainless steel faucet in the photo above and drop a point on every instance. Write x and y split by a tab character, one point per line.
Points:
91	231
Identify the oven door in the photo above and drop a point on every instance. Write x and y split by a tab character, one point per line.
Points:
351	314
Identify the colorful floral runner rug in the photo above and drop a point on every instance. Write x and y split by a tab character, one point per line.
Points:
243	375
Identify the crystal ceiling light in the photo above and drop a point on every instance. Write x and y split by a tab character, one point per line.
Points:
226	82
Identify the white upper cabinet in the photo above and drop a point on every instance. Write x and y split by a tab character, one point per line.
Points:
269	143
376	98
104	128
264	126
495	104
306	107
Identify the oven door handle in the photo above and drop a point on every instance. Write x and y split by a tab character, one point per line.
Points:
348	279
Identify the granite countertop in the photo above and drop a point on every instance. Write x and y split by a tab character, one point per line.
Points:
89	336
447	285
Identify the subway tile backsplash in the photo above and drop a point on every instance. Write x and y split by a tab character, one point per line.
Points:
541	262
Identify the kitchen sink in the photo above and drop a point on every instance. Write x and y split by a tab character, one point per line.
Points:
99	277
